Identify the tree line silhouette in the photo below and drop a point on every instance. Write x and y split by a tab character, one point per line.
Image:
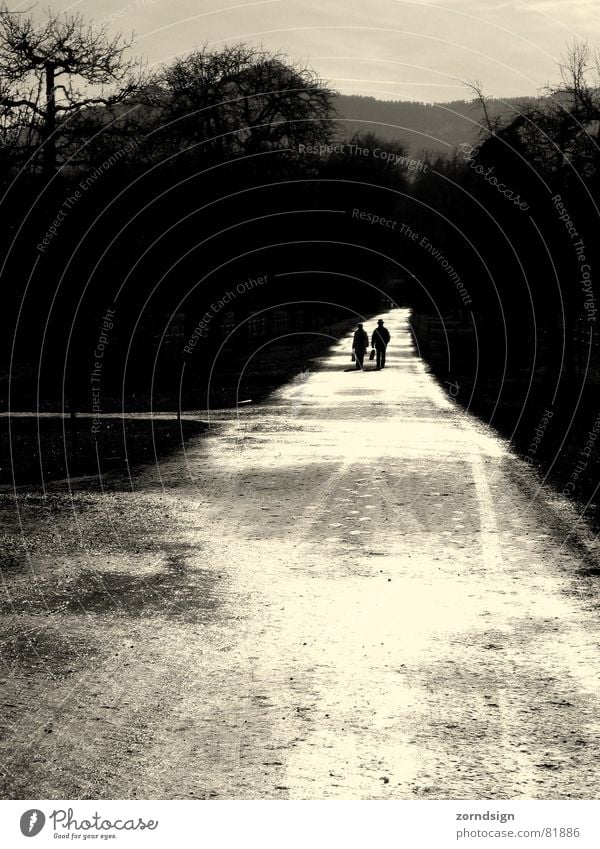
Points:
160	197
154	195
523	211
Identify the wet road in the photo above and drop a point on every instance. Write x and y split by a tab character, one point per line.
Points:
348	592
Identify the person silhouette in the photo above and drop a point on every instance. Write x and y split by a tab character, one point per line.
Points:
380	340
360	343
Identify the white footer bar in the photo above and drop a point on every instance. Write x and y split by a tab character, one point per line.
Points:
302	824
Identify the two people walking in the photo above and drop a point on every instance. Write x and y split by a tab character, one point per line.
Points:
379	341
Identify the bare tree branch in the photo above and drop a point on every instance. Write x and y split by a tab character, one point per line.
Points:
91	65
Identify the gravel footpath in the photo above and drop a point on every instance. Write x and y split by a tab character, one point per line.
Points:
353	590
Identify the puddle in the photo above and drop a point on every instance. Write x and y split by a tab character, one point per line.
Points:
171	592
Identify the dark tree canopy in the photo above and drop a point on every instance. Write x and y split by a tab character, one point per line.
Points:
240	101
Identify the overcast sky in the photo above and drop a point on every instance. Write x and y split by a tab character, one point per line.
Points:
391	49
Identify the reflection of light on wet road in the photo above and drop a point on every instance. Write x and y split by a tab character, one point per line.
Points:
417	633
364	603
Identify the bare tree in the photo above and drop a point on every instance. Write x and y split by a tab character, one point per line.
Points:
241	100
479	98
557	139
559	134
53	69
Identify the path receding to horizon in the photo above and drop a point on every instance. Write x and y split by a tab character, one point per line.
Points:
347	592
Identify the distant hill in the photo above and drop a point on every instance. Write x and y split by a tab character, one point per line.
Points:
433	127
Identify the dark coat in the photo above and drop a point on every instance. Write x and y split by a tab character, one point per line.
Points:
360	341
381	337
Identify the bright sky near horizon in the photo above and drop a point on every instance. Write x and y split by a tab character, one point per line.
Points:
390	49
